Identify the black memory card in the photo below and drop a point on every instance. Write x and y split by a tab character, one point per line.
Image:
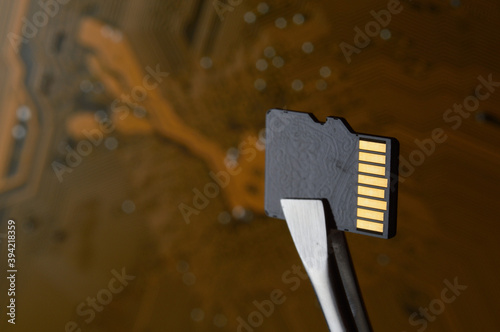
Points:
356	173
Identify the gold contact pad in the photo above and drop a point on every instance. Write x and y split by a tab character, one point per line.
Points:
367	191
372	203
372	169
372	146
373	181
370	226
369	214
372	157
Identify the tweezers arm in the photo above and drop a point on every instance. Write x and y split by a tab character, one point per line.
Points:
328	263
342	259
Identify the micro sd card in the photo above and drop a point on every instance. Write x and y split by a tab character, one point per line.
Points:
356	174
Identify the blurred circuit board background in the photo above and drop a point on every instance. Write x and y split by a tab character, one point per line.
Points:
116	115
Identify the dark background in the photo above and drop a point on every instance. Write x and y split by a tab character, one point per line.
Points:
119	207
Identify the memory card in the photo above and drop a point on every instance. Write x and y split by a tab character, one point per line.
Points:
356	174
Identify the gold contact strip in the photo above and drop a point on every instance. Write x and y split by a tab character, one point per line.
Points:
371	180
372	169
370	226
367	191
372	203
372	157
369	214
372	146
